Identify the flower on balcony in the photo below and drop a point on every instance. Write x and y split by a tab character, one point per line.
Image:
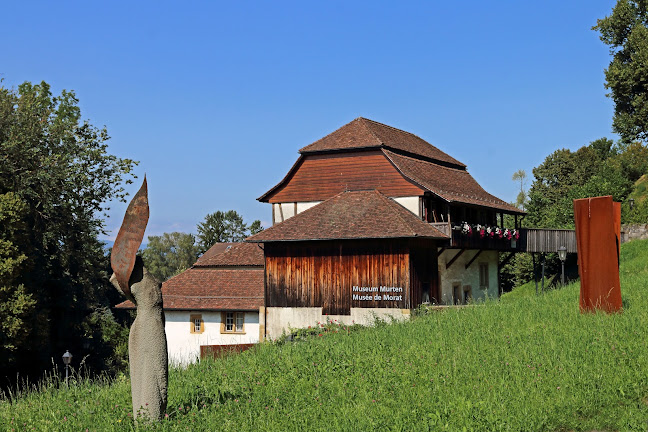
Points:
486	231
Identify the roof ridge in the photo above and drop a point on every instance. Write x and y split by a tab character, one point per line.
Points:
382	144
395	128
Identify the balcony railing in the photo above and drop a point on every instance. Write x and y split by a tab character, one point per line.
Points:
530	240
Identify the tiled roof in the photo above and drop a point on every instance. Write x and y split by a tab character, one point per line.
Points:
351	215
202	288
452	185
365	133
218	248
233	254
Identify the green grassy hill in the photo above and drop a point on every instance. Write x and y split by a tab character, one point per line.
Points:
640	189
524	364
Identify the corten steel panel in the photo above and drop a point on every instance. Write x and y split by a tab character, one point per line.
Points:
216	351
598	222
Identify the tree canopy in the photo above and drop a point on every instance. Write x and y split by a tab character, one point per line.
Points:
169	254
625	31
56	178
600	168
172	253
226	226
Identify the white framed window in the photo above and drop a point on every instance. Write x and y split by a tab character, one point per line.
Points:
196	323
233	322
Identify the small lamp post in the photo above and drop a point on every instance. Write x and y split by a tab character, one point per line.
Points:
67	358
631	202
562	254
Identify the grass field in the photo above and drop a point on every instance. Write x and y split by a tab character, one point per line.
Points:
526	363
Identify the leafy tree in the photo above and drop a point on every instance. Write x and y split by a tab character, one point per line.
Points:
15	303
56	177
255	227
625	31
632	160
600	168
224	227
170	254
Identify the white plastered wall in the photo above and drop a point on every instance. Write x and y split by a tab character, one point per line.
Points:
458	274
184	346
280	320
288	209
410	203
301	206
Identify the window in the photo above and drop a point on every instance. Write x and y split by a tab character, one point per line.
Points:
197	325
483	276
233	322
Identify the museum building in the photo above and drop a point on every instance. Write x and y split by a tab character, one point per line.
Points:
372	221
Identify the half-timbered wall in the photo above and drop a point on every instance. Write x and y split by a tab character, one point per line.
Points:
319	177
324	274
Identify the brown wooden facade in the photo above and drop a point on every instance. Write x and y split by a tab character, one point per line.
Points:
324	274
321	176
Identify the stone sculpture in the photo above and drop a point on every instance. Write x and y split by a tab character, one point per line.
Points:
147	347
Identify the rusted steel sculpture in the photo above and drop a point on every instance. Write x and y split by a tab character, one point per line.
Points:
147	347
598	234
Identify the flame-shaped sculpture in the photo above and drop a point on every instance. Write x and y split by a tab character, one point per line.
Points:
130	237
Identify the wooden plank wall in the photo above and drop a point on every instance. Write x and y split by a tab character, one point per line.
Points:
547	240
320	177
322	274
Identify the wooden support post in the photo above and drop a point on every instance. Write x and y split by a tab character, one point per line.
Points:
507	259
499	270
535	271
455	258
543	271
473	258
440	251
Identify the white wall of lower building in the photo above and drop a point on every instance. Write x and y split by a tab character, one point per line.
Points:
280	320
410	203
458	275
184	346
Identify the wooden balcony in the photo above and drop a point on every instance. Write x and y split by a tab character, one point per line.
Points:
531	240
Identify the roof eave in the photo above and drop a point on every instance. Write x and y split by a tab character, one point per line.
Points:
265	196
351	238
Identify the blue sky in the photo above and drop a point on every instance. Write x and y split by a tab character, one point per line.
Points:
215	98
